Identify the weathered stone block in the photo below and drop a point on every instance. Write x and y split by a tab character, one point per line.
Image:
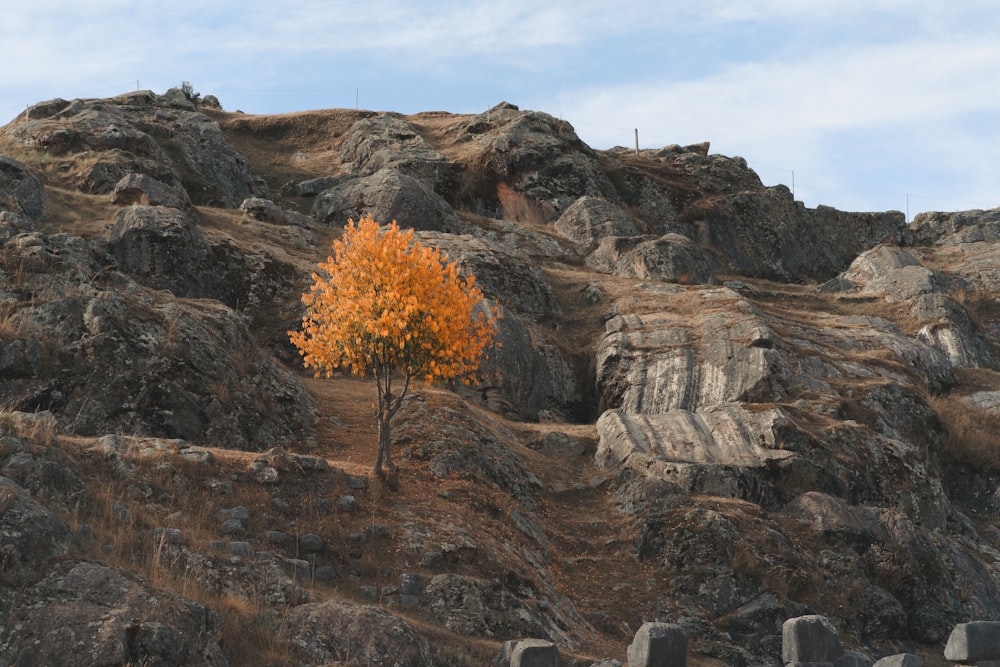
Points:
853	659
899	660
979	640
809	639
658	645
534	653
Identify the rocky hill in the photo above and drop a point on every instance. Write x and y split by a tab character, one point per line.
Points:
712	405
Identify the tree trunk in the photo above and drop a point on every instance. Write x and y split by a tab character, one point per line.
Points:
384	441
388	405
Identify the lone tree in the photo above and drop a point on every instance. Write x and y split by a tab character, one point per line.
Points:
387	305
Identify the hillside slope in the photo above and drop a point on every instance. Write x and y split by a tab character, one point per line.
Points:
712	406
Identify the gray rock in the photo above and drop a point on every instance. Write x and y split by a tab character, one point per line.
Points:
356	483
409	583
313	186
670	258
34	539
311	543
504	278
147	191
241	549
239	513
939	228
232	527
385	141
263	210
534	653
276	537
810	638
167	537
590	219
658	645
662	361
387	195
327	631
978	640
899	660
20	191
347	504
299	570
128	130
681	445
853	659
103	617
157	244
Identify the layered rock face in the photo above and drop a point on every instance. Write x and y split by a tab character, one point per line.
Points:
759	398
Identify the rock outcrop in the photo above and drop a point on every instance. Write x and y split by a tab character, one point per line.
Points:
745	409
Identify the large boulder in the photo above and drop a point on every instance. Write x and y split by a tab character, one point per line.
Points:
141	132
146	190
590	219
34	538
766	234
386	141
503	278
20	191
953	228
387	195
330	632
110	355
670	258
662	361
161	246
536	155
88	614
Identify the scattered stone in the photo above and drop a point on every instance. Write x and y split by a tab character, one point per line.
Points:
409	583
167	536
147	191
263	210
239	513
281	506
325	573
299	570
197	455
276	537
310	543
356	483
347	504
241	549
231	527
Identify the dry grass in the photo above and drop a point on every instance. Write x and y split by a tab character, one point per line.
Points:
518	207
972	432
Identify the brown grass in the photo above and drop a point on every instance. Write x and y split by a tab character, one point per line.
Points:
972	432
518	207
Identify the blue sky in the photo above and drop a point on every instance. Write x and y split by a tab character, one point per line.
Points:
867	105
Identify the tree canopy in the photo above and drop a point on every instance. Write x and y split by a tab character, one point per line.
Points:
385	304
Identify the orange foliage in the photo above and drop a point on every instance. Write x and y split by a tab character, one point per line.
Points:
387	305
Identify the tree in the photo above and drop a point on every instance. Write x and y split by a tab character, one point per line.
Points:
387	305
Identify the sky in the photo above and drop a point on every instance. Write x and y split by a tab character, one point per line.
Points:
863	105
